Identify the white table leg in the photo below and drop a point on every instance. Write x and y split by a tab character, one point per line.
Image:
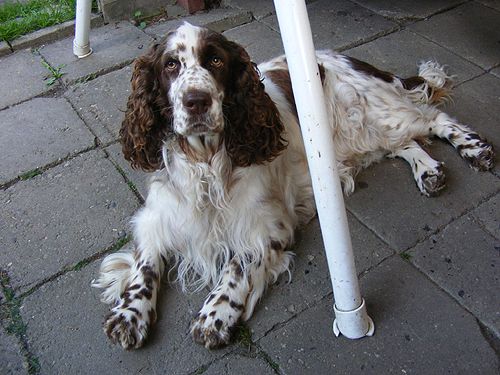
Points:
81	44
352	319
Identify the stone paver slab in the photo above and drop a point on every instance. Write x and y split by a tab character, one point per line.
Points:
56	219
218	20
463	260
407	9
418	330
238	364
490	3
389	203
114	45
11	361
488	215
342	25
38	132
139	178
64	329
258	8
310	278
72	341
25	77
496	72
470	31
171	347
401	52
102	102
261	42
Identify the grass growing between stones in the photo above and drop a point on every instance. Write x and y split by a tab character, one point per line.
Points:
12	321
54	73
243	336
30	174
406	256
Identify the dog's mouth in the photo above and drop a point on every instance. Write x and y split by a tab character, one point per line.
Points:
199	128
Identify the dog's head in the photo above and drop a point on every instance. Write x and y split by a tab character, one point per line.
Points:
202	90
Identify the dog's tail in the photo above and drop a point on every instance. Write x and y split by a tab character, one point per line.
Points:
115	275
432	85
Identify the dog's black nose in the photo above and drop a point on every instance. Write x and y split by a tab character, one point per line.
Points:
196	102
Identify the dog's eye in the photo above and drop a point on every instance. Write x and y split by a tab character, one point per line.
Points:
216	62
172	65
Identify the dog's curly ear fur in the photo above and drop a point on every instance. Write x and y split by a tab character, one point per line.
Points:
147	117
253	130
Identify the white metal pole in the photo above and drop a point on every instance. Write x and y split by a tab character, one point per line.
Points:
81	45
352	319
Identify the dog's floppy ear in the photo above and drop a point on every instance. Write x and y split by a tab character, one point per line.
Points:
253	130
147	117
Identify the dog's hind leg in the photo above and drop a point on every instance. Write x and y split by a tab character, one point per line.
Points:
467	142
427	172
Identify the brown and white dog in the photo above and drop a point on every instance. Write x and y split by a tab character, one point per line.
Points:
232	183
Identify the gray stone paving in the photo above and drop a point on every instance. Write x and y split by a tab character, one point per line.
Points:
463	260
420	330
407	9
114	45
260	41
59	135
342	26
402	51
101	102
66	214
22	77
428	266
470	31
11	358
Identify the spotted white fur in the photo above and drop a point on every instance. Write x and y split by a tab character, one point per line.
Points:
228	226
192	76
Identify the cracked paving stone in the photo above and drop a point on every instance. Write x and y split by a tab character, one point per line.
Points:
340	26
401	52
463	260
115	44
68	213
11	359
392	206
470	30
26	77
102	102
419	329
38	132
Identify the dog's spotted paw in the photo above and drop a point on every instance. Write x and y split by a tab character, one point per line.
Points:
479	154
126	327
215	322
211	331
432	181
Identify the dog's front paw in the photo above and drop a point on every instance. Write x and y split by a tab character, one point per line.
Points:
211	332
126	327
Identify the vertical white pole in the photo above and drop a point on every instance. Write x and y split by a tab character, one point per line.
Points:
81	45
350	310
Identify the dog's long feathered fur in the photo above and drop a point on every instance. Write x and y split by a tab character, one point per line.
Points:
232	181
